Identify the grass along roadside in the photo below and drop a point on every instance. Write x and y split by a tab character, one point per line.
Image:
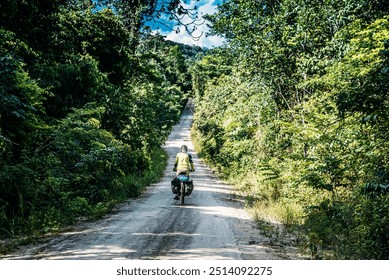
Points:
277	219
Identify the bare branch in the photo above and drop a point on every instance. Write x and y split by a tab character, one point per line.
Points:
179	15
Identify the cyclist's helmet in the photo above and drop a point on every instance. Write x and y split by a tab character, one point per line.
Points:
184	148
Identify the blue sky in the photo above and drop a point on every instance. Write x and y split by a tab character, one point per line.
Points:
204	7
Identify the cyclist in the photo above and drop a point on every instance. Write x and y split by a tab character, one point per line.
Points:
183	163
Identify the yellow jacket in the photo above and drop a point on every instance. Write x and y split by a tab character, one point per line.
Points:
184	162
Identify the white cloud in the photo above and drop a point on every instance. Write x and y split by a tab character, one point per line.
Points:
184	38
204	41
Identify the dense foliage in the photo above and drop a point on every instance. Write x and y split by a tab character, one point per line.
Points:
295	110
82	112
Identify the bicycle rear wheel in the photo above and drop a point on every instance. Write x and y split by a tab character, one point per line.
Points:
182	196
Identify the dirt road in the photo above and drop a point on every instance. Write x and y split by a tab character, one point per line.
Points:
211	224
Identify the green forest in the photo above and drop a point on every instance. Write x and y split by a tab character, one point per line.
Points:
293	110
85	104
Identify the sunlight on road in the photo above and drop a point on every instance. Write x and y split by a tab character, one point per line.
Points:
219	211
